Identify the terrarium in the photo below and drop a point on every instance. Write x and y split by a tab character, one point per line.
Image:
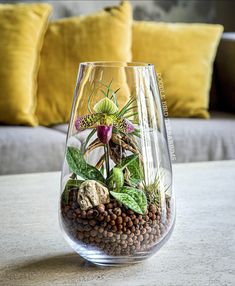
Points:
117	204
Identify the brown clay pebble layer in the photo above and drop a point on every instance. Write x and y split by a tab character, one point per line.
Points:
113	228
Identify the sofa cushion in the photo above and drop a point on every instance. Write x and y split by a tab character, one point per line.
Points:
80	136
22	29
103	36
183	55
204	140
196	139
61	127
27	149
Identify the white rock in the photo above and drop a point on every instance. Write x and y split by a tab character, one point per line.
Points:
91	194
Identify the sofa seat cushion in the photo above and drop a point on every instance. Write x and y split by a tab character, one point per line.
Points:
196	139
61	127
204	140
27	149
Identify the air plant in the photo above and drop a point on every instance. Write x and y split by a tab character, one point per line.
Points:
157	188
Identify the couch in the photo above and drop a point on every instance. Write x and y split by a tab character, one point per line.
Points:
41	149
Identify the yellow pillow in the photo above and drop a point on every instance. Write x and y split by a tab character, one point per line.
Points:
22	30
104	36
184	55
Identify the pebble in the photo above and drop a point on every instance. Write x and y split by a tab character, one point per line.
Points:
113	228
117	211
92	222
90	214
93	233
87	227
101	208
119	220
110	234
113	216
130	223
83	214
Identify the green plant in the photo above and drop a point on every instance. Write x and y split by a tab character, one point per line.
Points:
71	184
153	191
116	133
80	167
133	198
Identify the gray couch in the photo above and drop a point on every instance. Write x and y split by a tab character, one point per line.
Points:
41	149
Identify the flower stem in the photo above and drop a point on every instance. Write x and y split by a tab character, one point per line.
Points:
106	152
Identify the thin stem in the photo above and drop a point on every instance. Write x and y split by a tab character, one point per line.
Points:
106	152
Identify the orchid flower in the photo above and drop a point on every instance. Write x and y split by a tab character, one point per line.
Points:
106	116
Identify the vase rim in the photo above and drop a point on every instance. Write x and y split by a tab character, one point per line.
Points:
117	64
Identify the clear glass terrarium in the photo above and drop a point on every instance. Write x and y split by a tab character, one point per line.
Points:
117	205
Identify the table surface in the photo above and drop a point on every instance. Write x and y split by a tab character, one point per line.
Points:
201	250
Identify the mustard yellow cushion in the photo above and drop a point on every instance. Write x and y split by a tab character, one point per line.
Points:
22	30
104	36
184	55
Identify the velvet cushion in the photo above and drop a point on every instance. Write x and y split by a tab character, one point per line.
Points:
103	36
183	54
22	28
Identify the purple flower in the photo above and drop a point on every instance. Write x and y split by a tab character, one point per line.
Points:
78	123
104	133
128	126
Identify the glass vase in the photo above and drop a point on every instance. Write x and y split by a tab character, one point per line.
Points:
117	205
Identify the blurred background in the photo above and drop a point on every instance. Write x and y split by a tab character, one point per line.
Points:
24	149
205	11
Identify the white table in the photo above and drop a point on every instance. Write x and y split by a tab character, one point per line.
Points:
201	250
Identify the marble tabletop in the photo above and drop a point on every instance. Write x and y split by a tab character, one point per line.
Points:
201	250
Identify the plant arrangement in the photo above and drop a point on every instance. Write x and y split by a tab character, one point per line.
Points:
109	205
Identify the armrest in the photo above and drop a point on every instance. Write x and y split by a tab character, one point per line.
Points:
225	72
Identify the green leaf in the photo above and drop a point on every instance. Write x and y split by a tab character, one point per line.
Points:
138	195
79	166
116	179
102	170
134	182
132	162
131	108
109	89
136	133
131	114
103	92
89	102
136	170
88	139
128	201
132	198
114	96
126	106
127	161
72	183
